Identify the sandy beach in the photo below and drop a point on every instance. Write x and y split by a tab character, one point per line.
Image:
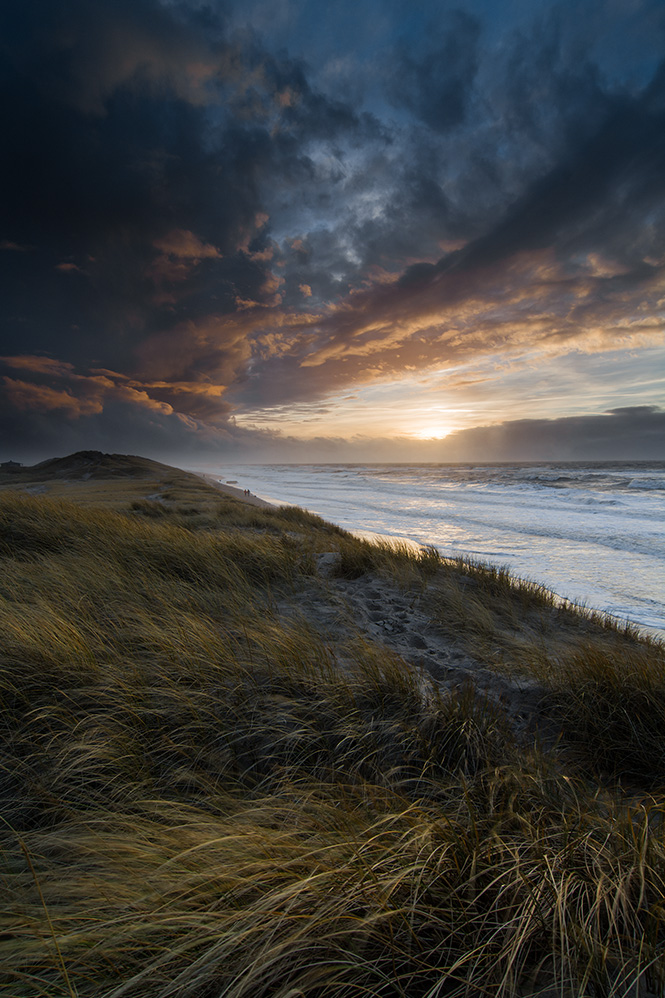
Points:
232	490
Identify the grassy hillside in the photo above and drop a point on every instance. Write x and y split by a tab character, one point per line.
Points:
206	793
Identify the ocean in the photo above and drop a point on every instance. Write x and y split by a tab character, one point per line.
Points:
593	533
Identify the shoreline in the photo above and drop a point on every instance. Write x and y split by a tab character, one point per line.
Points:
572	539
231	490
374	536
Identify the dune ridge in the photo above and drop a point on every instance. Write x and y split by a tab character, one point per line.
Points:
248	754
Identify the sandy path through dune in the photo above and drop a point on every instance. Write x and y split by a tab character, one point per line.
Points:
397	619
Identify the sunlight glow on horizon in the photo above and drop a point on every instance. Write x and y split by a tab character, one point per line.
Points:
432	405
431	433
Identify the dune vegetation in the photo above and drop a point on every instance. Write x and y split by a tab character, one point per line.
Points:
203	794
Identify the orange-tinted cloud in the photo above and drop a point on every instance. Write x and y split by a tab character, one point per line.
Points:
110	46
58	387
181	251
43	398
68	268
39	365
526	301
12	247
186	245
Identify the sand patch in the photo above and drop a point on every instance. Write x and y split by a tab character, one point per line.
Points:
395	618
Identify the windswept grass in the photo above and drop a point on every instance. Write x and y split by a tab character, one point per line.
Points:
514	886
611	709
197	799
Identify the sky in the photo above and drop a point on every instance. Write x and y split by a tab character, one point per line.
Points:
379	230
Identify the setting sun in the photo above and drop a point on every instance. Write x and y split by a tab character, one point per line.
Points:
435	431
431	423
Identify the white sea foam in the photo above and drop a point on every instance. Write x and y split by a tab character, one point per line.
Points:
593	533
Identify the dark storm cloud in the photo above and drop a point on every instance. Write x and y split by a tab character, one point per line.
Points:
105	153
599	190
533	108
553	157
193	221
433	78
577	260
121	123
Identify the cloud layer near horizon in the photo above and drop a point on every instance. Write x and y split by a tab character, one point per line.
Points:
201	224
633	433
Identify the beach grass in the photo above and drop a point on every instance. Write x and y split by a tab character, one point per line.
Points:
203	795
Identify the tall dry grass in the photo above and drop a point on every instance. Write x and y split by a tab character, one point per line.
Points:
198	801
